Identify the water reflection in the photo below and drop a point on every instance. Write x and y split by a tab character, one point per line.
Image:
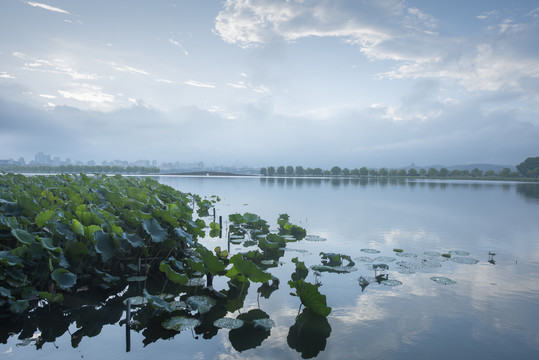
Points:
528	190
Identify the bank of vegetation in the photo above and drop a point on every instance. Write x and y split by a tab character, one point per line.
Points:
527	170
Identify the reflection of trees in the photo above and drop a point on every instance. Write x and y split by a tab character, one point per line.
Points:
528	191
309	334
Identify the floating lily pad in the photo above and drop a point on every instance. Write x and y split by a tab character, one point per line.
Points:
431	263
137	300
391	282
459	253
315	238
235	237
443	280
237	240
289	237
364	259
464	260
432	253
343	269
398	250
370	251
228	323
384	259
196	282
407	267
406	255
136	278
180	323
269	262
201	303
178	305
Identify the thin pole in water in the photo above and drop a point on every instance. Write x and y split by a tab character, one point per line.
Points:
128	326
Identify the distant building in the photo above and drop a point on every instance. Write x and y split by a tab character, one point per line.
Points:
42	158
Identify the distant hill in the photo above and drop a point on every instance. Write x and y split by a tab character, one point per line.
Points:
470	167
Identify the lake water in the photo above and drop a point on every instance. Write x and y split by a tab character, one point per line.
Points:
489	311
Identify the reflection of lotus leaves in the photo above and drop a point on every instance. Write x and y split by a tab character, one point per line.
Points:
364	259
406	267
431	263
459	253
432	253
384	259
247	336
309	334
370	251
464	260
391	282
442	280
314	238
250	243
406	255
228	323
180	323
196	282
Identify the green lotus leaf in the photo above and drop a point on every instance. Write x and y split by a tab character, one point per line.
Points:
64	279
77	227
23	236
211	262
157	302
310	297
18	306
250	218
48	244
91	229
5	292
43	217
51	298
265	244
134	240
152	228
9	259
301	270
248	269
76	249
180	323
214	226
104	245
11	222
172	275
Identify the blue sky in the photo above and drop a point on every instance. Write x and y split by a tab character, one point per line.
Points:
271	82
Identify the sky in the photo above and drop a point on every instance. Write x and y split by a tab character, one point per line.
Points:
316	83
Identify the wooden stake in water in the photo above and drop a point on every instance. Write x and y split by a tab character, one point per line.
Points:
220	226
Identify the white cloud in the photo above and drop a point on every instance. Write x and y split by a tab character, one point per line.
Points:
90	94
46	7
56	66
5	75
164	81
125	68
178	44
199	84
47	96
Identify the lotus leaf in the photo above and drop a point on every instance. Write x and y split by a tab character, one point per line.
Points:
23	236
464	260
180	323
443	280
310	297
200	303
228	323
64	279
370	251
247	269
152	228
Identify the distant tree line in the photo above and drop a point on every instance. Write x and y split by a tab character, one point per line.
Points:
529	169
76	169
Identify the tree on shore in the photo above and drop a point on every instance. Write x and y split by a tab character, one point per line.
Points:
281	170
271	171
336	170
263	171
529	167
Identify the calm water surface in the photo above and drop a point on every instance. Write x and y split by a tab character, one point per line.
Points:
491	311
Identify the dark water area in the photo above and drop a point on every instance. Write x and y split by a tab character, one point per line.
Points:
474	305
